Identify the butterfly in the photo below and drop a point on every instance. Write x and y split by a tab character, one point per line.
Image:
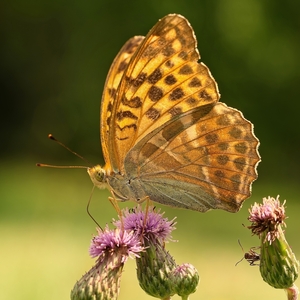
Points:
164	135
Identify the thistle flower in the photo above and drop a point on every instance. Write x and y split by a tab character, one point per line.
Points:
267	218
115	242
278	264
139	234
148	224
157	272
112	247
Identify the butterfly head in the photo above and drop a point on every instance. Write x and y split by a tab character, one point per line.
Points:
98	176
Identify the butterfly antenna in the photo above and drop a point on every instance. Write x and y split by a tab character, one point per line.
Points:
51	137
88	209
60	167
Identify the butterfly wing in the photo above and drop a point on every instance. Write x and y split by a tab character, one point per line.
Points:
162	126
198	161
162	81
113	79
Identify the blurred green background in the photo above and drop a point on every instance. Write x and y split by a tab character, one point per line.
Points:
54	59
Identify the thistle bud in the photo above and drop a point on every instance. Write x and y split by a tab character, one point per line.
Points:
99	283
278	264
186	279
154	271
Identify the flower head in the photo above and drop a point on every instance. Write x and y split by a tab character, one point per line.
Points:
148	224
267	217
186	279
115	242
112	247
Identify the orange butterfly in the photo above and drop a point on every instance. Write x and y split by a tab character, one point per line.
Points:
164	135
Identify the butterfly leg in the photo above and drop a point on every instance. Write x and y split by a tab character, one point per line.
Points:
148	203
113	200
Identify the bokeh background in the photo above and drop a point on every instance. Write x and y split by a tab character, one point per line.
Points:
54	59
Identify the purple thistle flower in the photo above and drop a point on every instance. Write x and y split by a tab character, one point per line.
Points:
112	247
115	242
267	217
148	224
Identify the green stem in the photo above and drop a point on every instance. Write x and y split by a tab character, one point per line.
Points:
292	292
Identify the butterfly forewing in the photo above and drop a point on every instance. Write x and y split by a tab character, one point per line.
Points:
113	79
162	81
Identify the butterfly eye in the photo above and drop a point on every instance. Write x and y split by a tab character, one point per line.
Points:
100	175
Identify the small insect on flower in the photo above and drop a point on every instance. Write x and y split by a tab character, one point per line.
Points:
252	257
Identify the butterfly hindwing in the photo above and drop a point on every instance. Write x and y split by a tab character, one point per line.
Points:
200	160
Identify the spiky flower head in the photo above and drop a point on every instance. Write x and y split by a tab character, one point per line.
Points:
149	224
278	264
116	242
186	279
112	249
267	217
